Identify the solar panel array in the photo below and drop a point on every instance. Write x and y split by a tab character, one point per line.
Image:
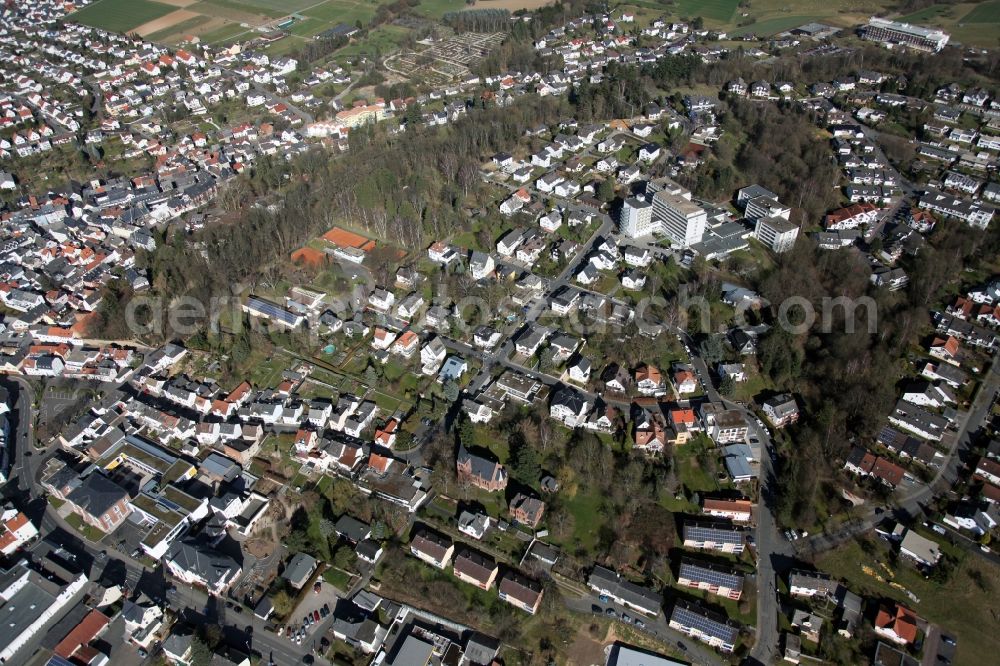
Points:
717	532
693	616
271	310
701	573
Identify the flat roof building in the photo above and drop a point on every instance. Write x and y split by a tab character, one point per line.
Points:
915	36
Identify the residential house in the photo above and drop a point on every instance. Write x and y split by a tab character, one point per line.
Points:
896	623
781	410
569	407
698	622
736	510
809	625
712	578
809	584
920	549
480	472
622	591
474	568
474	525
431	547
197	564
520	591
721	536
527	510
649	380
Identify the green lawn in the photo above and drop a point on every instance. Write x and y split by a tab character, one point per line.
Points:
282	7
120	15
223	34
986	12
692	474
438	8
178	29
925	14
342	11
716	10
246	7
338	578
776	25
307	27
586	510
89	532
267	373
382	40
963	606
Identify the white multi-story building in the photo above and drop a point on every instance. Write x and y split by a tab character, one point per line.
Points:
635	219
914	36
682	220
776	233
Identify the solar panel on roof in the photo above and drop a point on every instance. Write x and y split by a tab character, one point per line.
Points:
713	533
689	617
271	310
712	576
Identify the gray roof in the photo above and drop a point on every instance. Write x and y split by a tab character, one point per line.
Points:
624	655
177	644
351	528
299	568
27	605
633	594
210	565
96	494
815	580
413	652
481	649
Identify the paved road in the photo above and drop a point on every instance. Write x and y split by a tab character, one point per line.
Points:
656	627
907	188
773	550
910	505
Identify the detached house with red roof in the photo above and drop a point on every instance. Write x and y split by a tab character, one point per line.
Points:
649	380
15	530
386	435
945	349
406	344
897	624
685	382
683	422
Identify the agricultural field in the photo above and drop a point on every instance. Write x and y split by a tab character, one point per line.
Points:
333	12
976	24
774	26
223	21
182	28
768	16
987	12
121	15
712	10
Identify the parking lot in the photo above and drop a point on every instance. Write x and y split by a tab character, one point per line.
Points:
311	604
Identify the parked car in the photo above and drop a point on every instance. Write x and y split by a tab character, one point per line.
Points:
316	615
610	612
